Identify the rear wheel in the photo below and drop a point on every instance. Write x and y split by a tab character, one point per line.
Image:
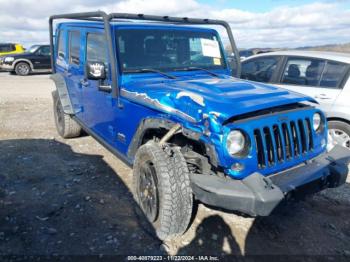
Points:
22	69
65	124
339	133
162	189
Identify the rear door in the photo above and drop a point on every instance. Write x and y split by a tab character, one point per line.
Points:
318	78
99	106
69	64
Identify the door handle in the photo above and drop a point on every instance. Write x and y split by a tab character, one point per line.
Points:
105	88
83	82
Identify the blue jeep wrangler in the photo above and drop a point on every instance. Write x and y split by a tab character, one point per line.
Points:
159	95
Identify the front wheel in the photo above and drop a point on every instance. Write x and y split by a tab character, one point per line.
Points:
22	69
339	133
162	189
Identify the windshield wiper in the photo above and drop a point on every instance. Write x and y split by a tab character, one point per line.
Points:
150	70
193	68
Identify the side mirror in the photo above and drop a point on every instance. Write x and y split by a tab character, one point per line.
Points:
95	71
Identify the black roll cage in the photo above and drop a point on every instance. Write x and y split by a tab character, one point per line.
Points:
101	16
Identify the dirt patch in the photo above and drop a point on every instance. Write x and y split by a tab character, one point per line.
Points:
73	197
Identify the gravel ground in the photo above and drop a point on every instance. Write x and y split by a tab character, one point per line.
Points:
73	197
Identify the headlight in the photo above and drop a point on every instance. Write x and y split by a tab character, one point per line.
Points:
236	142
9	59
317	122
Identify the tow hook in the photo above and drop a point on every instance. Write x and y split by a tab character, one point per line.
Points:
268	183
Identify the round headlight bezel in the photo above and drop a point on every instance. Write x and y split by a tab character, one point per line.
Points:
243	150
320	126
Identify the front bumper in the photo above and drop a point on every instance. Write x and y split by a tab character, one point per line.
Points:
258	195
7	67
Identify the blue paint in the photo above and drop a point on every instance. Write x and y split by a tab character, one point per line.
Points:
195	99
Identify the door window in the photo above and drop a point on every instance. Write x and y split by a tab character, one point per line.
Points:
303	71
314	72
7	48
96	49
74	47
45	50
61	45
260	69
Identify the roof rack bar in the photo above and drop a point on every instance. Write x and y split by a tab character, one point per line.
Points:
106	19
91	16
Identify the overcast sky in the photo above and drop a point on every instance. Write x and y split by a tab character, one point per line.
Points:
255	23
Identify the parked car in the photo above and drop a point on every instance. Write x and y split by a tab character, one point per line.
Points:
168	107
321	75
9	48
244	54
35	60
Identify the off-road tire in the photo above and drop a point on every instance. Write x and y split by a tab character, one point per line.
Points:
22	69
175	200
342	126
65	124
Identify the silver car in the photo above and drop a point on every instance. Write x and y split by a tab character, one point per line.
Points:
321	75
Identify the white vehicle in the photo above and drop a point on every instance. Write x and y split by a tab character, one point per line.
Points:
321	75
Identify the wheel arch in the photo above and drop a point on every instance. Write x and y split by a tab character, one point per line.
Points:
338	119
24	61
150	128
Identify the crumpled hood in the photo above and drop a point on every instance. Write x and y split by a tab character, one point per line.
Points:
223	97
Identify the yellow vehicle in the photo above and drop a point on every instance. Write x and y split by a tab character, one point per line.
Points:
6	49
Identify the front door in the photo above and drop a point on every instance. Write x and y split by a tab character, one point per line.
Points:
100	108
41	59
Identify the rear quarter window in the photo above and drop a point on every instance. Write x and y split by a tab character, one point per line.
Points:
333	74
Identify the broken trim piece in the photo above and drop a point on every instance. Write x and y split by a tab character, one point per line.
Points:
170	134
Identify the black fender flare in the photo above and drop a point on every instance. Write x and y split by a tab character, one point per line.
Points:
157	123
68	99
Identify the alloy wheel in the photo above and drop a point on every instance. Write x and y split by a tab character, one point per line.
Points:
339	137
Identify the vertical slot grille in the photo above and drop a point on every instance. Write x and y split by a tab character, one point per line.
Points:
279	144
259	149
309	132
282	142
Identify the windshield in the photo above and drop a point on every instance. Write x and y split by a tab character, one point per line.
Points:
169	50
32	49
